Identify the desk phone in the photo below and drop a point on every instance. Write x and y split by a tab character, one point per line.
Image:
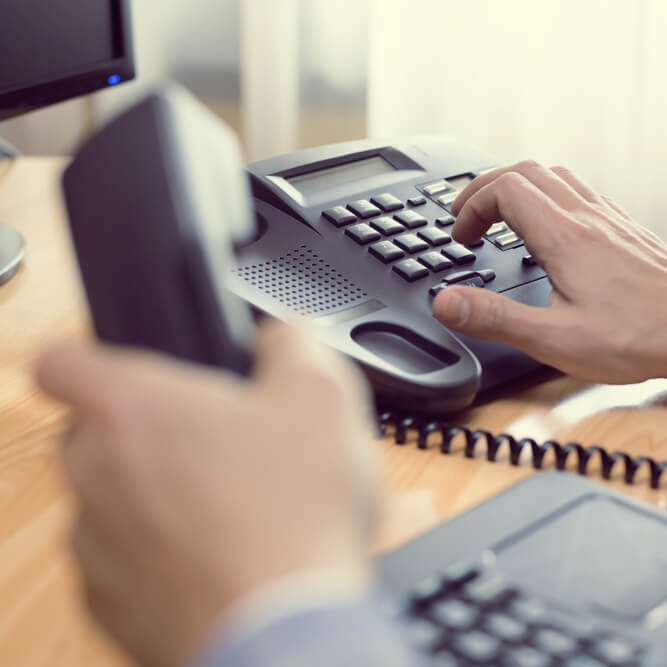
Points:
356	238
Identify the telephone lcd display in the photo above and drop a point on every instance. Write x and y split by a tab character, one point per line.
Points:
351	172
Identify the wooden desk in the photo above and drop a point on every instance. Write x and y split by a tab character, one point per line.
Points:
41	623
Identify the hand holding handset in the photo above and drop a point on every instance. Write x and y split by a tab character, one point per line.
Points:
156	201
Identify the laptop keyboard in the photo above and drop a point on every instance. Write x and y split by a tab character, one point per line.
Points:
472	615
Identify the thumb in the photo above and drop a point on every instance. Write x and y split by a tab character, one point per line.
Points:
485	314
76	373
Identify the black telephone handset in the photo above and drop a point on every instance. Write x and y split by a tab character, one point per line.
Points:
155	202
353	238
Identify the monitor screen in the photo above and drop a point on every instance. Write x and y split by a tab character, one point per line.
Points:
51	51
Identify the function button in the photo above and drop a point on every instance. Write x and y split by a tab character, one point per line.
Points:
477	646
447	199
435	261
445	220
339	216
387	202
386	251
487	275
555	643
411	219
362	233
417	201
528	260
496	228
434	236
526	657
506	239
475	244
387	225
435	188
458	253
410	270
411	243
363	208
506	628
454	614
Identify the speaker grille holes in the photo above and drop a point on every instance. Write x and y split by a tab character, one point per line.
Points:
303	281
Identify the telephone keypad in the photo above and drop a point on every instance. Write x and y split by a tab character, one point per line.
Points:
387	202
386	251
339	216
364	209
458	253
435	261
411	243
411	219
410	270
363	233
388	226
434	236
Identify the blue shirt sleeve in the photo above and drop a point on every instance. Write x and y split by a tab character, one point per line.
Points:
340	636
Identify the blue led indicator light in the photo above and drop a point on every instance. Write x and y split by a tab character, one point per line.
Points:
114	80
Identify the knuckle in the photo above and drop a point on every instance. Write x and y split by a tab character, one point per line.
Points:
527	165
512	180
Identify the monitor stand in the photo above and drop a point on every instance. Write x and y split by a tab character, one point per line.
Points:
12	244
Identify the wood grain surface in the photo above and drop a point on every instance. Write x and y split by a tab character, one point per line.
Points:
41	621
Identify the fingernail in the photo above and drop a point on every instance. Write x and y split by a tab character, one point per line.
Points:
451	307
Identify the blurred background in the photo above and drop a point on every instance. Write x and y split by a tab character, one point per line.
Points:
574	82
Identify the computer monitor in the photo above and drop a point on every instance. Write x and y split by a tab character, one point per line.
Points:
51	51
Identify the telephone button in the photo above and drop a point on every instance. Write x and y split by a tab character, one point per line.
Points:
386	251
435	261
339	216
411	243
458	253
410	270
363	208
387	202
388	226
362	233
506	240
445	220
411	219
417	201
434	236
487	275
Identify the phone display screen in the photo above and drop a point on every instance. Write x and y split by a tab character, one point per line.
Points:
324	179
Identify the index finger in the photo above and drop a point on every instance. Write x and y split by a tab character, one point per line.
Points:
515	200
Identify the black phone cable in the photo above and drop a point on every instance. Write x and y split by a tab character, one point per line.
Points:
492	444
